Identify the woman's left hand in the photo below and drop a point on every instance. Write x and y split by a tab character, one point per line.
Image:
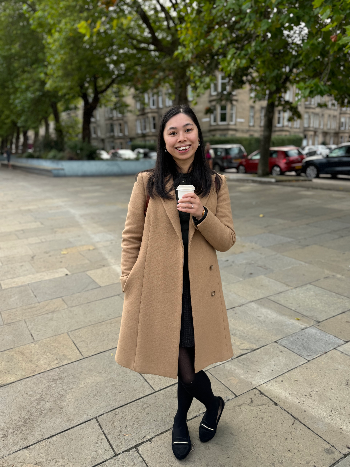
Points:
192	204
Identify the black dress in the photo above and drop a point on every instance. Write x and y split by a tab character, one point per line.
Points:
187	330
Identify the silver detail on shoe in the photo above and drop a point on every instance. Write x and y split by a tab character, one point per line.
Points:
205	426
180	442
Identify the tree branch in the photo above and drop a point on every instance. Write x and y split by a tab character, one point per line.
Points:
168	17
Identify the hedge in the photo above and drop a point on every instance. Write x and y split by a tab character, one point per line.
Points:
253	143
141	144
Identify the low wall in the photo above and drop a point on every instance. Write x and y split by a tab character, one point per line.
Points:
91	168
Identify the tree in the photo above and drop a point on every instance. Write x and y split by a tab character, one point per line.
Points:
268	45
151	36
76	67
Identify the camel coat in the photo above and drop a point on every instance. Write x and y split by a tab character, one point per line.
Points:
152	275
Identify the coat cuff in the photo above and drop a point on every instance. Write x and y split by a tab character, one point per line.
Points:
198	221
123	280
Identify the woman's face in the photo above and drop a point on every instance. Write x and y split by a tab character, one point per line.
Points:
181	138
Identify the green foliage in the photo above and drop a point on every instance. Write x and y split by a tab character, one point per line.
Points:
252	144
54	154
80	150
141	144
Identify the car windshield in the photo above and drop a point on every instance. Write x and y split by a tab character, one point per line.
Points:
338	152
293	153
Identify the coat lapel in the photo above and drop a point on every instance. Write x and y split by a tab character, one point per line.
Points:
173	213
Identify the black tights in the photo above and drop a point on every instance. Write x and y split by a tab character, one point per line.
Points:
190	385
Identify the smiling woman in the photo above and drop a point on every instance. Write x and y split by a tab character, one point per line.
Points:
174	320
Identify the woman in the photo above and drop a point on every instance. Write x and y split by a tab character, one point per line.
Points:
209	155
174	320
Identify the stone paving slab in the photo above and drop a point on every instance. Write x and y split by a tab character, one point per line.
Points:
310	343
247	270
77	317
29	311
345	348
93	295
106	276
250	370
317	394
97	338
311	254
82	446
343	463
127	459
34	358
339	285
14	335
339	326
253	432
317	303
11	271
299	275
253	325
159	382
281	310
142	420
62	286
267	239
39	407
41	276
20	296
257	287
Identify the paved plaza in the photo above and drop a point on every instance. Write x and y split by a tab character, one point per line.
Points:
64	402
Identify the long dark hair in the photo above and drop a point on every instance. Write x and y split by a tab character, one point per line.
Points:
166	167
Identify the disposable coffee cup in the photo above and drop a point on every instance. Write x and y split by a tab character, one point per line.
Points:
184	189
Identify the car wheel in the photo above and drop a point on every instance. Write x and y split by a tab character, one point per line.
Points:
298	173
276	170
311	171
241	169
217	168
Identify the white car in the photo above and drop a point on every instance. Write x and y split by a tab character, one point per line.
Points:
126	154
322	150
309	151
102	154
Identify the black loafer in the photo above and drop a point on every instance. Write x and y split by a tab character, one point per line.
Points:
207	432
181	446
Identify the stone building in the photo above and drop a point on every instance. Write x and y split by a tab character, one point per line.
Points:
329	124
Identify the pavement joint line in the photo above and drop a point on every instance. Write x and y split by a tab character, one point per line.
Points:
340	460
104	434
137	450
327	290
30	332
106	460
75	345
296	418
208	371
147	382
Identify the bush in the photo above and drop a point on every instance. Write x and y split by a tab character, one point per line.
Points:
29	155
252	144
140	144
54	154
79	150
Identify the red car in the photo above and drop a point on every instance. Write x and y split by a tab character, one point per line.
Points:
282	159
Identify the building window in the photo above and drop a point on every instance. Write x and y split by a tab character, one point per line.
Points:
153	123
138	126
311	120
287	96
223	83
160	101
262	116
279	118
306	120
214	88
138	105
120	129
286	115
334	122
316	121
296	123
213	118
342	124
329	122
146	97
233	113
251	116
115	130
168	101
98	132
316	140
321	121
223	114
341	139
310	140
93	131
153	101
126	129
111	129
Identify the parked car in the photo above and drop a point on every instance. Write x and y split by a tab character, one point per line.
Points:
227	156
322	150
142	152
123	154
309	151
152	155
337	162
102	154
282	159
331	147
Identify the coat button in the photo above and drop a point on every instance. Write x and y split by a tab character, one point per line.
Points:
211	267
212	294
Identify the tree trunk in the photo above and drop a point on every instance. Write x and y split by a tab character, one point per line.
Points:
25	141
18	134
36	141
180	90
47	127
58	125
89	108
263	168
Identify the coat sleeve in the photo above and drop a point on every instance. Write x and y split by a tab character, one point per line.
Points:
132	233
218	228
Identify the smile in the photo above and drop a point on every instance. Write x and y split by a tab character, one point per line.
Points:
183	148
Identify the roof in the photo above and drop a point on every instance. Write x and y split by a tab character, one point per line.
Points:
226	145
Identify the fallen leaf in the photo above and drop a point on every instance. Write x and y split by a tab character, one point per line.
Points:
261	215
